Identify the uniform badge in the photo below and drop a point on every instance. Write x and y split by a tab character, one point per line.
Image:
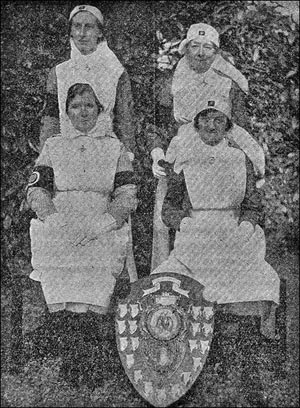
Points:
81	8
34	178
42	176
211	103
201	33
164	330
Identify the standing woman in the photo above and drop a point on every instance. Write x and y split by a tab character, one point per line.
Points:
90	59
83	190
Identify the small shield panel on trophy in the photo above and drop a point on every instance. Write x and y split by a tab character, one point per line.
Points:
164	330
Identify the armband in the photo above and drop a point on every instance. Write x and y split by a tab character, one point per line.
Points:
124	177
51	108
42	176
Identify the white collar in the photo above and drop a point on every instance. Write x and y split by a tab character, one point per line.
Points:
103	55
102	128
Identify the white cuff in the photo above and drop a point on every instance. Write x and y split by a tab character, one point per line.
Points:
158	154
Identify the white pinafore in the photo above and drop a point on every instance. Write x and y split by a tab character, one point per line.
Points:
102	70
211	247
190	89
84	170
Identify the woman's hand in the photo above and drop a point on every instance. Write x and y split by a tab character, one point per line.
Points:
45	213
248	228
158	171
80	230
158	154
41	203
71	228
105	223
92	228
79	236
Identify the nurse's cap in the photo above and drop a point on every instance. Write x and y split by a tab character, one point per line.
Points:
217	104
91	9
201	32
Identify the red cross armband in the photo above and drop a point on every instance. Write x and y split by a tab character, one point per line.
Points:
43	177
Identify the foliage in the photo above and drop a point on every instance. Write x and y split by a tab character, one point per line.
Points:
263	43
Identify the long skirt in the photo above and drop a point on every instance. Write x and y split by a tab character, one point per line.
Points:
224	257
77	274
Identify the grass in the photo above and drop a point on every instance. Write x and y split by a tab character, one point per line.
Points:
38	384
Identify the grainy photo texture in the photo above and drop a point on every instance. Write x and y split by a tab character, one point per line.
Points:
150	203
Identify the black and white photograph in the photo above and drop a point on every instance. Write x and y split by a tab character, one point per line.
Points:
150	203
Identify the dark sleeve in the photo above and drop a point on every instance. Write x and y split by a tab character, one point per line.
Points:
251	207
124	118
162	126
40	191
50	115
51	108
176	204
239	110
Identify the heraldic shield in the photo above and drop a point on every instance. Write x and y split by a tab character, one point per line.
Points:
164	330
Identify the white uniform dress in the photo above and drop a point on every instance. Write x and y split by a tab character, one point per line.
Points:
102	71
190	90
211	247
83	275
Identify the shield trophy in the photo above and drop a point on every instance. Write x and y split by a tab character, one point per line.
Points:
164	330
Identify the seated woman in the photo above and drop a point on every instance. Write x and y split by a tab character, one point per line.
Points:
213	203
83	190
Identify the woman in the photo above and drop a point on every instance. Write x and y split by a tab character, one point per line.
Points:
224	210
213	203
201	74
91	60
83	191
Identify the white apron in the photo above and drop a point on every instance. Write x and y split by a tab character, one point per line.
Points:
102	70
190	88
84	170
211	247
